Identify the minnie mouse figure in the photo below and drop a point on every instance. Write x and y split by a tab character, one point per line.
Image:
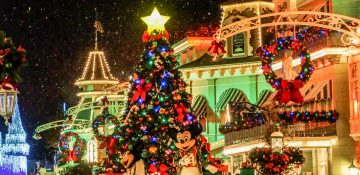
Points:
189	158
132	162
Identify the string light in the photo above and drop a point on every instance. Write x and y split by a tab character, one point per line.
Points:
15	148
104	65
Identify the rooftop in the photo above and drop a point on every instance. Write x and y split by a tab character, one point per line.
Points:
207	60
96	70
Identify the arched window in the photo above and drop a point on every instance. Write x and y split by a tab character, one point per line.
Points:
91	151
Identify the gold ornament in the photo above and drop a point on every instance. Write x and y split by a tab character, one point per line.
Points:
177	97
153	149
162	111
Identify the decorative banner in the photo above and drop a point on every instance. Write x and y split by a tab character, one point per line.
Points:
71	147
269	162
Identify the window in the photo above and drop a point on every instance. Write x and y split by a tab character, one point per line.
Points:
238	44
91	152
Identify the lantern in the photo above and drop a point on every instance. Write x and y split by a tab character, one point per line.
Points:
7	103
352	169
277	141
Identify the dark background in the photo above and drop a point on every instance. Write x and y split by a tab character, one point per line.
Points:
58	34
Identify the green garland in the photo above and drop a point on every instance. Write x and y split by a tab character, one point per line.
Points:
79	147
293	117
275	163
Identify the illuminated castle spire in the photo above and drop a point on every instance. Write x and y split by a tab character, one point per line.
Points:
15	148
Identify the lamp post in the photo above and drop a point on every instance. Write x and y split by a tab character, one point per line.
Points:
352	169
277	141
7	103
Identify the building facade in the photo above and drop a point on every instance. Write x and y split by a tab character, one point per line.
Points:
237	77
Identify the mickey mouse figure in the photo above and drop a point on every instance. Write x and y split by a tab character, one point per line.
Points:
189	159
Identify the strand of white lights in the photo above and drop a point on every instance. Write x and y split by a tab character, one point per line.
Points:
96	82
247	4
93	66
101	59
85	68
108	68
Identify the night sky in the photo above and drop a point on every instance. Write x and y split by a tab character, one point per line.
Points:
58	34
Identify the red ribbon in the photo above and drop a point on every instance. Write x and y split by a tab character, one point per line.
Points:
141	91
290	91
163	169
180	109
111	145
146	37
216	48
71	156
8	84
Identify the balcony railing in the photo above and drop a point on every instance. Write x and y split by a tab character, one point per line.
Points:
263	133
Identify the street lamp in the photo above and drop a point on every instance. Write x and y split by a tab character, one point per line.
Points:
352	169
7	103
277	141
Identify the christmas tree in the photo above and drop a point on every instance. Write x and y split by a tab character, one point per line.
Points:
157	103
15	148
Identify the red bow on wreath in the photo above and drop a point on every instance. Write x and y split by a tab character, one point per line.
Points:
71	156
163	169
180	109
141	91
146	37
216	48
8	84
290	92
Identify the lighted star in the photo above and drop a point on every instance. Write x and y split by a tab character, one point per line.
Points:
155	21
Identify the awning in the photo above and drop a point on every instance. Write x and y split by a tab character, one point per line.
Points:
264	95
322	90
230	95
199	106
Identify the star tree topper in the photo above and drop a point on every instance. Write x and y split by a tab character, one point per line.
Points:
155	21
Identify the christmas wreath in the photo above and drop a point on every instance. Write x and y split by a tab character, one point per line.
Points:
102	119
292	117
12	59
268	162
108	140
287	90
71	147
